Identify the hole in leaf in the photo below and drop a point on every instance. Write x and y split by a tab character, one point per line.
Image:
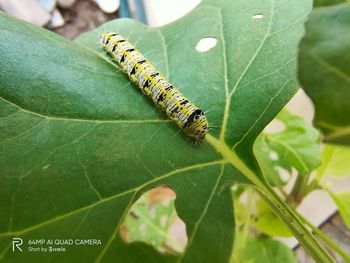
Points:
273	155
153	220
258	16
275	126
205	44
284	174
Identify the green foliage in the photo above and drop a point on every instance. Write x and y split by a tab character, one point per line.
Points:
320	3
296	146
342	199
324	69
268	223
264	250
335	162
270	163
324	73
150	222
79	145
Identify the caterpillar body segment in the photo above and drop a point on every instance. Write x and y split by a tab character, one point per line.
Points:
143	74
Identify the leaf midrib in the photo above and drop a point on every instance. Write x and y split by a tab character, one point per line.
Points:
232	92
58	118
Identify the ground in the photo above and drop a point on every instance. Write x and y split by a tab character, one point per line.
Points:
83	16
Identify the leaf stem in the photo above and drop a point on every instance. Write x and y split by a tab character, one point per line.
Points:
327	239
300	188
291	219
246	224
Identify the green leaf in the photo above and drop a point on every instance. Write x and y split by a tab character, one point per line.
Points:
150	221
324	70
295	146
335	162
320	3
269	164
265	250
342	200
268	223
80	144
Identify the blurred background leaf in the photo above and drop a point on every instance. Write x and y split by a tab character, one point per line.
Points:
324	69
295	146
335	161
263	250
267	222
342	200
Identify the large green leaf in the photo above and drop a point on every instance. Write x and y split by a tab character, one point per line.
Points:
79	144
325	69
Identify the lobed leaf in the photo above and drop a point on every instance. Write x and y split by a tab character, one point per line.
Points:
79	144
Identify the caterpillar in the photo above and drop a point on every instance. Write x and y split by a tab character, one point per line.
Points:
165	95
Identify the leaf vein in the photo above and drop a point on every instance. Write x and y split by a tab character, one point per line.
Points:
92	187
206	207
260	116
229	98
165	54
84	120
257	52
338	72
289	25
293	152
24	132
106	199
59	148
227	102
267	74
115	232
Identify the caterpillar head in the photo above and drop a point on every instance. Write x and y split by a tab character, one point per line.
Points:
197	126
105	38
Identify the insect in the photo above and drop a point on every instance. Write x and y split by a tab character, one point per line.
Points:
165	96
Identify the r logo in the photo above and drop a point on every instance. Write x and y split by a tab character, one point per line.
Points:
17	242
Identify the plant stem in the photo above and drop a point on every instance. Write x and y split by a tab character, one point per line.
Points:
299	230
248	213
314	184
246	224
327	240
291	219
299	189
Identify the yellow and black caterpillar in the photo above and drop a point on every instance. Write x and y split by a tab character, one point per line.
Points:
187	116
